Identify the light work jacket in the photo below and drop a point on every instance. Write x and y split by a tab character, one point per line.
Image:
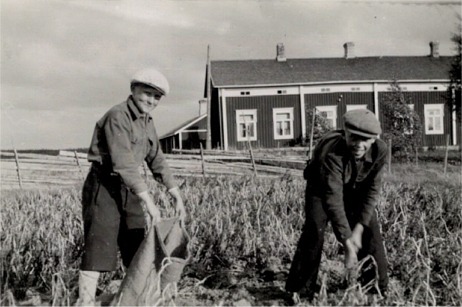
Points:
122	139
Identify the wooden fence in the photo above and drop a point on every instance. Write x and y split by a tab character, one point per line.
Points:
26	170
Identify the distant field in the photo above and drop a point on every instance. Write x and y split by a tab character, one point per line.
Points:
244	231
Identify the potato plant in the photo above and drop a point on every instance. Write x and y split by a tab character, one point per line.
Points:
244	231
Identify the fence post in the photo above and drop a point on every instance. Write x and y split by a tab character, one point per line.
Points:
251	157
446	154
18	169
202	160
78	164
312	132
250	148
389	155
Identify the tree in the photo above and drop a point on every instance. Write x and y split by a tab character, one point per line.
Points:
454	88
317	129
400	123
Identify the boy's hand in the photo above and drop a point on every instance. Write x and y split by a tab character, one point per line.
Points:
178	202
149	206
357	237
351	258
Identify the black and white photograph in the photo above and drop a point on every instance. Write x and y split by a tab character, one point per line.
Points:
230	153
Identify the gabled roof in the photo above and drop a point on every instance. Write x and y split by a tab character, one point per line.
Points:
184	126
328	70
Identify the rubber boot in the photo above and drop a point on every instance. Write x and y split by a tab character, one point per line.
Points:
88	281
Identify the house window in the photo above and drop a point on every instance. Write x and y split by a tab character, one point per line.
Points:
330	113
356	107
434	118
246	122
283	120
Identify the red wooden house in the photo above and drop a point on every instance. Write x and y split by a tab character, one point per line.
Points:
265	101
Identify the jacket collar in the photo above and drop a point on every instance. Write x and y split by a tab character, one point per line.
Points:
134	110
368	155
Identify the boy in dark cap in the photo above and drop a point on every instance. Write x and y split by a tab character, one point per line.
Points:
343	186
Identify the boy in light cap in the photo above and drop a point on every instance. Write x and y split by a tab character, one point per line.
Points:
115	196
343	186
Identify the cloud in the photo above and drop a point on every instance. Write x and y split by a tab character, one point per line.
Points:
64	62
51	129
146	12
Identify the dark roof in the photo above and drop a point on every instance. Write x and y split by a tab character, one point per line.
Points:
302	71
183	126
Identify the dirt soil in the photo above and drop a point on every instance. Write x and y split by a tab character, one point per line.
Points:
231	287
246	287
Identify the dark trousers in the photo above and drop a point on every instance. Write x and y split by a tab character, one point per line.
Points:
305	265
113	220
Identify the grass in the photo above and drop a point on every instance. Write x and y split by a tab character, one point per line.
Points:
244	232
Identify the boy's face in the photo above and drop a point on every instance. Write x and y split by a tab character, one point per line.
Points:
145	97
358	144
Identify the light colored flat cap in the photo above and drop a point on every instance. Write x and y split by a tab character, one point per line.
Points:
153	78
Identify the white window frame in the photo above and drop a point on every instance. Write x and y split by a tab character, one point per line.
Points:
430	118
252	112
289	111
332	108
351	107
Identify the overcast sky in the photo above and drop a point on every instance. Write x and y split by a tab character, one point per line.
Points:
64	63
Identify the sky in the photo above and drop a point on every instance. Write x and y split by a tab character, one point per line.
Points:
65	63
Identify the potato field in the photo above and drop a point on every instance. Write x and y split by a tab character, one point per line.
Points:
244	232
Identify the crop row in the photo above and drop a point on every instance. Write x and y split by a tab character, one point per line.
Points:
241	224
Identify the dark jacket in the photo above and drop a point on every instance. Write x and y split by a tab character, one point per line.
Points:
343	186
125	137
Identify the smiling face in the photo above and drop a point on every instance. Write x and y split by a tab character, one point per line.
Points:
358	144
145	97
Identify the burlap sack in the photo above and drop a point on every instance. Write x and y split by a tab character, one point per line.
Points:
159	262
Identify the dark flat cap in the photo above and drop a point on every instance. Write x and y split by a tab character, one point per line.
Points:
362	122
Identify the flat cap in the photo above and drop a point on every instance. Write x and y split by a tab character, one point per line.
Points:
362	122
153	78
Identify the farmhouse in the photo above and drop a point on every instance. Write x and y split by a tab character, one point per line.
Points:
266	101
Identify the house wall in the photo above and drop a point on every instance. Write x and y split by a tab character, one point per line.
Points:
264	99
264	106
341	100
169	143
193	139
419	100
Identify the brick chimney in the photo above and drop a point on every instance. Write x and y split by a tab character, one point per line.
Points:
202	106
349	50
280	53
435	49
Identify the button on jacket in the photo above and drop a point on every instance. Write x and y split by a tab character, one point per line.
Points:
343	185
125	137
